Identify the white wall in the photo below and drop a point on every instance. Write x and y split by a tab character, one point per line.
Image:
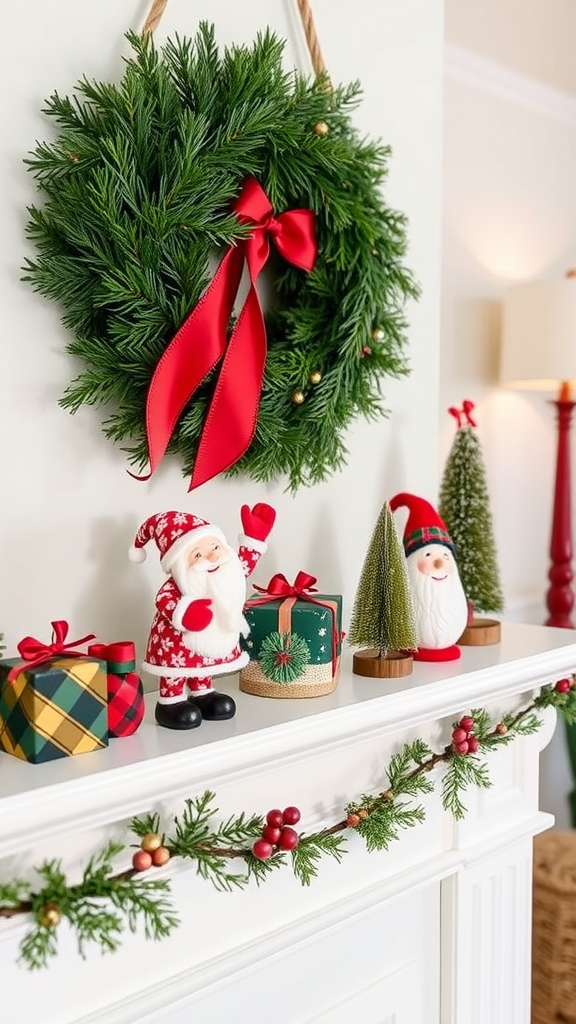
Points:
509	215
534	37
70	510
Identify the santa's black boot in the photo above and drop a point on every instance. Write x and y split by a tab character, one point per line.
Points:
182	715
214	706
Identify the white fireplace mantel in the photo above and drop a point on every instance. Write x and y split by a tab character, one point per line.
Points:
434	931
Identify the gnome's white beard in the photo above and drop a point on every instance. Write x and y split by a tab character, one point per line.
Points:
226	587
440	606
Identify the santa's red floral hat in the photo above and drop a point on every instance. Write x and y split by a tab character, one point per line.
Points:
172	532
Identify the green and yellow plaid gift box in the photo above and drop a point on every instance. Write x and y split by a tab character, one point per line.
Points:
54	709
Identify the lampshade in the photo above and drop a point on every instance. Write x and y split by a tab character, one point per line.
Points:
539	335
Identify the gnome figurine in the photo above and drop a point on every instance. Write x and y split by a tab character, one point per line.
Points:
195	634
438	597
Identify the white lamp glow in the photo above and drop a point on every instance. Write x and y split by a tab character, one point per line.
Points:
539	354
539	335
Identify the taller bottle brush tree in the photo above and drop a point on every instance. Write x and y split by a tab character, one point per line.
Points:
383	619
464	505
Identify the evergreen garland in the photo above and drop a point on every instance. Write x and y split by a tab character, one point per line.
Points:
284	656
464	505
137	190
100	906
383	616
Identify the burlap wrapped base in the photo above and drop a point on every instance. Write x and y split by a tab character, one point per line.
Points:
315	681
554	929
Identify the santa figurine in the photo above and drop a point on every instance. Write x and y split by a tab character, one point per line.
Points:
440	605
195	634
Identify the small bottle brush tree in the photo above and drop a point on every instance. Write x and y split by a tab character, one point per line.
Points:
464	505
383	616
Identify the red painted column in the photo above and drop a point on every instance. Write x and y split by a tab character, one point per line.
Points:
560	596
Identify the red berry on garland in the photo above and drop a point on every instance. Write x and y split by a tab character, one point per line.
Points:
352	820
142	860
289	838
262	849
461	748
272	835
291	815
472	744
275	818
160	856
459	735
563	685
466	723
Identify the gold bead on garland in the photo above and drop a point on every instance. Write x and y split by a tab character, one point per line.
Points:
321	128
51	915
315	377
298	397
377	334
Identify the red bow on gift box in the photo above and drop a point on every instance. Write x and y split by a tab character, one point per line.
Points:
289	593
35	652
280	587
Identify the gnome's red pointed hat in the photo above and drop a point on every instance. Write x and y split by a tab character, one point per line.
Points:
423	526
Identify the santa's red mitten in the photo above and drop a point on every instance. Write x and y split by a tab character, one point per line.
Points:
257	522
198	615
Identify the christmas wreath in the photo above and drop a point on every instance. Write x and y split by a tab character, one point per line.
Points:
146	184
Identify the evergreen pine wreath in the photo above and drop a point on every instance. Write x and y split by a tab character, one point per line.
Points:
137	188
284	657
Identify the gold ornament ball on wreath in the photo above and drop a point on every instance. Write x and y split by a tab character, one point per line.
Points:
298	397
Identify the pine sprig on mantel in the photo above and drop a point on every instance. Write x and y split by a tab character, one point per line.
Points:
133	901
212	848
102	905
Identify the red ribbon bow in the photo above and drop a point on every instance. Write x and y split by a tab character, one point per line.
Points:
201	342
302	588
35	652
280	587
465	412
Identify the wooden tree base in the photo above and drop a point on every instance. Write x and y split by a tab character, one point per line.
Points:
391	666
481	633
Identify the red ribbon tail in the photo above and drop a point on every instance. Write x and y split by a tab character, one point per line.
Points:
467	407
231	421
135	476
457	414
192	353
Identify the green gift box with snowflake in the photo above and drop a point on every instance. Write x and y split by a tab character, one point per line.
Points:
294	641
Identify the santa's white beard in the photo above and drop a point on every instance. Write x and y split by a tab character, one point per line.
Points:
440	606
226	587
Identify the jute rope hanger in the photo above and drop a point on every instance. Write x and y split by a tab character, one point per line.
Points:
159	6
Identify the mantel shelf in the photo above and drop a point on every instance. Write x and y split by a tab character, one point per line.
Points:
134	772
